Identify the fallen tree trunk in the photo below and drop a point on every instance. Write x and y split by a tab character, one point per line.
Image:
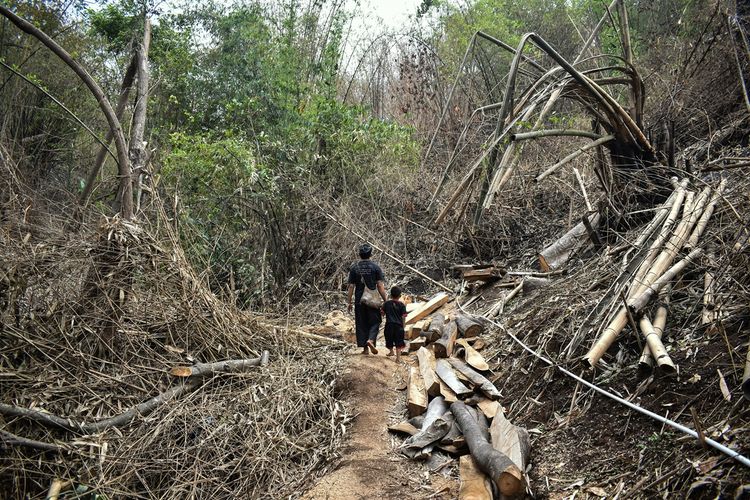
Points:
484	385
500	469
448	376
92	428
443	347
435	330
228	366
469	326
427	369
556	255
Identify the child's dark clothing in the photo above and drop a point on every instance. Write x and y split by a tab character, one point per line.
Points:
394	323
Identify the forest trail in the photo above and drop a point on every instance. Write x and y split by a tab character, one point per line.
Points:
369	468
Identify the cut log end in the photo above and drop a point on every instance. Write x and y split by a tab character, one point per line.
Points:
181	371
510	481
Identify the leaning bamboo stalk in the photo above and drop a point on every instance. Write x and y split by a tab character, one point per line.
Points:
655	345
572	156
637	303
646	362
703	221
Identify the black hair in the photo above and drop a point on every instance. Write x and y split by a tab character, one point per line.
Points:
365	251
395	292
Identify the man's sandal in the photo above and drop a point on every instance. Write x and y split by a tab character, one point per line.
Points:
372	347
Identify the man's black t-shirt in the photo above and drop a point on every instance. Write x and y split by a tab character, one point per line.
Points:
367	270
394	312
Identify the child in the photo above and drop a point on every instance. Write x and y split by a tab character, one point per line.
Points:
395	312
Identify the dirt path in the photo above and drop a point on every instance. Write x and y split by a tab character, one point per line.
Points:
369	468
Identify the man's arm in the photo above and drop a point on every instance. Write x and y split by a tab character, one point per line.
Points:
349	294
381	289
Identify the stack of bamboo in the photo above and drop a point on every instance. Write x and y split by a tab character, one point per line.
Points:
453	407
660	254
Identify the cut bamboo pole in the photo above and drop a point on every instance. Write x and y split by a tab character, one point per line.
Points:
653	340
638	303
665	233
646	362
703	222
746	377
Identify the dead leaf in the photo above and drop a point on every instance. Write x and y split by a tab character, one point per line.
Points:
596	490
694	379
723	386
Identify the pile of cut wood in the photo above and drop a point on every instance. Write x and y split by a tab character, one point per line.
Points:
453	406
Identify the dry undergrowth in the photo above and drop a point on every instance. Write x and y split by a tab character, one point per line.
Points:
91	320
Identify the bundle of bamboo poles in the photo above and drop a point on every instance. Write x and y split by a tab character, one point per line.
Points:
665	248
453	407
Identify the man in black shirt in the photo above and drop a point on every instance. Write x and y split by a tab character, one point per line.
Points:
366	319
